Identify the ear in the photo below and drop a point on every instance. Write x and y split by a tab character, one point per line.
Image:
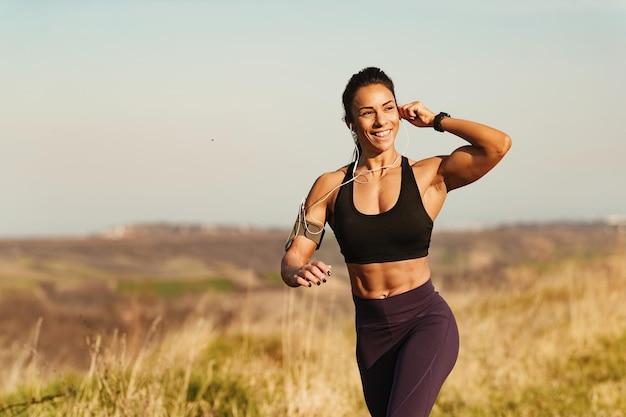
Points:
348	124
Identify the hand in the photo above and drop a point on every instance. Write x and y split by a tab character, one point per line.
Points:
417	114
315	272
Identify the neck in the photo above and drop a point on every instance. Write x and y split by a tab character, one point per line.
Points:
374	166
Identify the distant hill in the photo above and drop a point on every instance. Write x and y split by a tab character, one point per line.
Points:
456	256
93	284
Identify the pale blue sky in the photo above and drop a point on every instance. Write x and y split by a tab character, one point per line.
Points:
225	112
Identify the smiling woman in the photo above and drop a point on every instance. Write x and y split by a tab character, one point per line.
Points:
381	208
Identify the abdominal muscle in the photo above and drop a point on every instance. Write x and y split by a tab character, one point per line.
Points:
382	280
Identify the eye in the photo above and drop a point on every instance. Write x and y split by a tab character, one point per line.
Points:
390	107
367	113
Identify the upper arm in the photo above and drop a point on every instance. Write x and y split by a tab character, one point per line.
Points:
467	164
314	212
487	146
462	167
316	203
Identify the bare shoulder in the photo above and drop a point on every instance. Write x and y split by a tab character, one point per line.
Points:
327	184
427	173
427	165
332	176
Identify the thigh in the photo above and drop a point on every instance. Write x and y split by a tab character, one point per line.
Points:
424	362
377	381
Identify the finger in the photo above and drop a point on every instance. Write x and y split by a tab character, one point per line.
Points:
408	113
405	113
313	277
324	270
302	282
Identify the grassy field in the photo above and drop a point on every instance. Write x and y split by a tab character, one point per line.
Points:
544	335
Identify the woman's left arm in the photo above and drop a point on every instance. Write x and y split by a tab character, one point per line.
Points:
487	146
468	163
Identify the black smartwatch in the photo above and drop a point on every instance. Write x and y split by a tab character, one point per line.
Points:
438	119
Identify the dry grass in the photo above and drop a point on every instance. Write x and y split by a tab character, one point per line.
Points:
548	340
300	366
536	335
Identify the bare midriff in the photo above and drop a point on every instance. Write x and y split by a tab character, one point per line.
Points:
382	280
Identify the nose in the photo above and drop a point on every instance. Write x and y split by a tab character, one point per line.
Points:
381	119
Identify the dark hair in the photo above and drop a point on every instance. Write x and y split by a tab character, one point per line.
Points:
367	76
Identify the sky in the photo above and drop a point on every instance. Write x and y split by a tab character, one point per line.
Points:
224	112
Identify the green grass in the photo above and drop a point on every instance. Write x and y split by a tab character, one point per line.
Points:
174	287
63	268
15	283
551	344
212	384
274	277
216	386
581	385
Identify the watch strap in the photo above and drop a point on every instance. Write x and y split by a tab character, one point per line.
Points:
437	121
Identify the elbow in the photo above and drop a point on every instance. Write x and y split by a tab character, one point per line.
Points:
507	143
504	145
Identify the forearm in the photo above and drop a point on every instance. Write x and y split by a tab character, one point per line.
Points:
298	270
289	267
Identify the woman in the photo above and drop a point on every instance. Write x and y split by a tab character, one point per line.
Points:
381	209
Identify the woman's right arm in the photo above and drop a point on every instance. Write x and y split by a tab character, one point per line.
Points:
297	269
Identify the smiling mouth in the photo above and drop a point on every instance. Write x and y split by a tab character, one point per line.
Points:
383	134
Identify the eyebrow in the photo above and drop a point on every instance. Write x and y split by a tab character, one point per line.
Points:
371	107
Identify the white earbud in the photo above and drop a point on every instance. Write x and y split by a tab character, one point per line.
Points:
353	133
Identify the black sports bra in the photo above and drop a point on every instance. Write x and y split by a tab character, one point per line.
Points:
400	233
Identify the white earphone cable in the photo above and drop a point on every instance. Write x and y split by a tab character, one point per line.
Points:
302	212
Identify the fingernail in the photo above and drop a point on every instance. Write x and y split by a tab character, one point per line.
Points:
324	279
319	283
329	273
309	285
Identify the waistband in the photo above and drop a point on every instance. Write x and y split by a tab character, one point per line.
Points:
415	299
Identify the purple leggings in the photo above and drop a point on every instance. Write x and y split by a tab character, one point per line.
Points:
406	347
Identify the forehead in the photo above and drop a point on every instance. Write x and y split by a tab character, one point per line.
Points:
372	96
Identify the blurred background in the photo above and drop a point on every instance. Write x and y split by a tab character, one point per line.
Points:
153	156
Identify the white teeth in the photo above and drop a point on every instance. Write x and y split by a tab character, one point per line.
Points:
381	134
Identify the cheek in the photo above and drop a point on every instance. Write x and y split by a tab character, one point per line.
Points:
365	124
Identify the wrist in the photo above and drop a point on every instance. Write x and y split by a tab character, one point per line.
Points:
437	121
